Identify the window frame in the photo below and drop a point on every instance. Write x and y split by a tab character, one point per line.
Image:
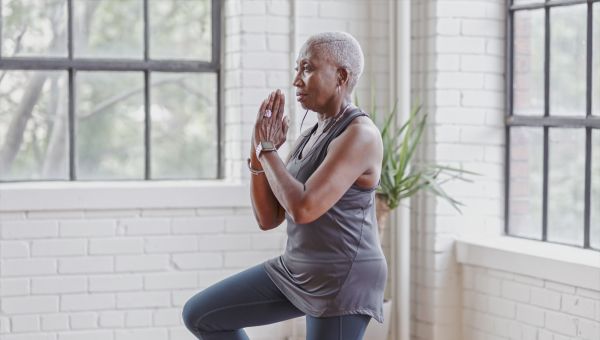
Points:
589	122
146	65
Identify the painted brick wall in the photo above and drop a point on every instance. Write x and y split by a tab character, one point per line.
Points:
458	76
125	274
502	305
118	274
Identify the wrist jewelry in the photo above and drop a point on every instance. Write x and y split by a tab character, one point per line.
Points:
264	146
252	170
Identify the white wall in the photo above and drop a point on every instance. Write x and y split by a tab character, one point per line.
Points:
485	293
457	54
119	260
504	305
516	289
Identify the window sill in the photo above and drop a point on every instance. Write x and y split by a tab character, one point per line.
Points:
122	195
554	262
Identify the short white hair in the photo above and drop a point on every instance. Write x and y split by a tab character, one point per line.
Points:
342	49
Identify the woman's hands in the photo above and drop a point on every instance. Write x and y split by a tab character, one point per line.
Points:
271	124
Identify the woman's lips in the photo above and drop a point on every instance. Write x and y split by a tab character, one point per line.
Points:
300	96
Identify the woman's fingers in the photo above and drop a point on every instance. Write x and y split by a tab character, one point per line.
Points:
261	110
271	101
281	106
276	105
286	125
272	127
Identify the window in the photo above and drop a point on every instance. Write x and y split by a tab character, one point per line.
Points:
553	121
109	90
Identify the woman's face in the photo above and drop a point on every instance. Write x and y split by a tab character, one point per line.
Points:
316	80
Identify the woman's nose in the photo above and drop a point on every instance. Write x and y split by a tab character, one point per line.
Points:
297	80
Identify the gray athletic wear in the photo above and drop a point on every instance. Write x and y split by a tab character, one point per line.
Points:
333	265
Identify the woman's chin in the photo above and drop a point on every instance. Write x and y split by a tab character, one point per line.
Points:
303	105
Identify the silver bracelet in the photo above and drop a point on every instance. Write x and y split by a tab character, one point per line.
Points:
254	171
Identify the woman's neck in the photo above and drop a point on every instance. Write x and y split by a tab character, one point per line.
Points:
325	123
328	115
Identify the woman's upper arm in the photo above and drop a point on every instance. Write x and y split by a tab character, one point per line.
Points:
350	155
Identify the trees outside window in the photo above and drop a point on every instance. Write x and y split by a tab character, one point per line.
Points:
109	90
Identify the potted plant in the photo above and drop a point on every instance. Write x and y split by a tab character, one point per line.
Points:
401	178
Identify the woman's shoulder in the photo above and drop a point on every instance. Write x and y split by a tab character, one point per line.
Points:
363	124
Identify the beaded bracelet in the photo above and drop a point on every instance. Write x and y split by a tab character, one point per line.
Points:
254	171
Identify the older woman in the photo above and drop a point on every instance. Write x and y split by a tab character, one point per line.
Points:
333	270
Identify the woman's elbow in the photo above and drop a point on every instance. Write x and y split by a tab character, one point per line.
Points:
302	215
268	226
264	225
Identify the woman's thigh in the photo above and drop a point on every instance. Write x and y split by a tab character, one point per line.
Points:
246	299
344	327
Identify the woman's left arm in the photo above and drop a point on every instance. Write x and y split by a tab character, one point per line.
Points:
349	156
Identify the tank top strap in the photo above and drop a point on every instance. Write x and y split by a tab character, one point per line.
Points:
337	130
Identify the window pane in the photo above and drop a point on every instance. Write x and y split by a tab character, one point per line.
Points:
33	125
568	46
108	28
595	201
184	125
566	181
180	29
526	166
527	2
110	125
596	61
528	82
34	28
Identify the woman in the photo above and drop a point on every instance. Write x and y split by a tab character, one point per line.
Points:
333	270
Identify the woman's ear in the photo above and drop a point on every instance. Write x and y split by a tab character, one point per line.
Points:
342	76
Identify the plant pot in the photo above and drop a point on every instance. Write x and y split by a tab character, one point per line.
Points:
382	211
380	331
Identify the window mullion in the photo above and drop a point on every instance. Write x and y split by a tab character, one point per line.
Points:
71	96
588	131
509	112
147	118
216	61
546	128
1	44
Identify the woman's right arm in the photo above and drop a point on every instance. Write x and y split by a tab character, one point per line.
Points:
268	212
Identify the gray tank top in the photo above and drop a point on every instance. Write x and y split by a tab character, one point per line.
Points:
333	265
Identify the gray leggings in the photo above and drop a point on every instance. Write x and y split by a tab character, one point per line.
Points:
250	298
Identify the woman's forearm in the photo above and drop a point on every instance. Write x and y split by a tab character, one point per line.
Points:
288	191
267	210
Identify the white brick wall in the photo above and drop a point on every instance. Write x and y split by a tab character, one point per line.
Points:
113	278
503	305
458	76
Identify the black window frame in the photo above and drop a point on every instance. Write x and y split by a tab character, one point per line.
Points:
73	65
546	121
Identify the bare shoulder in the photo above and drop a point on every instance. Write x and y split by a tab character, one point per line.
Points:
364	128
361	133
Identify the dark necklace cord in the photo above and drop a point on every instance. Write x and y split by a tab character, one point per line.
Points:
329	125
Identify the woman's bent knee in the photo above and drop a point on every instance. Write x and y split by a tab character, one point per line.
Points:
194	310
188	315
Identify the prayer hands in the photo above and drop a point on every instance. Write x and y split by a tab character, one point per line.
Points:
271	124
